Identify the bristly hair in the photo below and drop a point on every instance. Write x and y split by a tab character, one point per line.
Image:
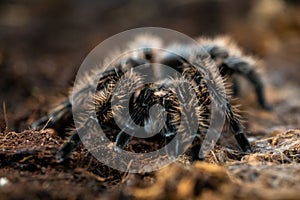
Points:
188	105
230	47
113	88
225	42
130	83
146	46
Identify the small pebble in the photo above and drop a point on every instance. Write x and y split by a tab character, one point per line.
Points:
3	181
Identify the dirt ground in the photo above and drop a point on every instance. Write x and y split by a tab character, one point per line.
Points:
41	48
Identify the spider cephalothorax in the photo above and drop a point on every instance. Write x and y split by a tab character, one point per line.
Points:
182	102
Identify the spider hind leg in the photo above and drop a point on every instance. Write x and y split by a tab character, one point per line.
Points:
57	118
238	66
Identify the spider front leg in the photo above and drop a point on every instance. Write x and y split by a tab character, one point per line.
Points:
139	110
237	130
195	151
129	105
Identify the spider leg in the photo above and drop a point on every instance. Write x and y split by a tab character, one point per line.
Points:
222	101
195	150
103	110
62	113
68	147
138	116
124	102
237	130
236	65
74	140
122	139
182	106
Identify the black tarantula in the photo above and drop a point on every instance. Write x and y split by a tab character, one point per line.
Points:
186	100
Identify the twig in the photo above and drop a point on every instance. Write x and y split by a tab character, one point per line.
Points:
49	120
5	116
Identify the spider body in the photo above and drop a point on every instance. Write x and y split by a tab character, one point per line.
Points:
181	102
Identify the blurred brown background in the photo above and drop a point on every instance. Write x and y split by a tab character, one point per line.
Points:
42	43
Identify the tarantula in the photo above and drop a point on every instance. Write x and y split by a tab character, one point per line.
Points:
186	100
